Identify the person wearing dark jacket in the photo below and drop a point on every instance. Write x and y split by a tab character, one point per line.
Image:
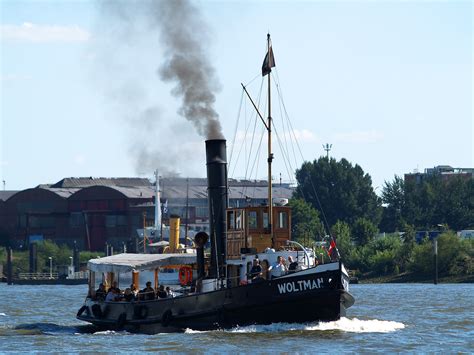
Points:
148	293
162	293
100	293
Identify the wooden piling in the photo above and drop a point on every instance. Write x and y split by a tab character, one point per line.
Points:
9	266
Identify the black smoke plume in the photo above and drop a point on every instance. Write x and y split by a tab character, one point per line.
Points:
169	40
184	37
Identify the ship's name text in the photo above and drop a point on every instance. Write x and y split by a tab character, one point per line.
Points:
301	285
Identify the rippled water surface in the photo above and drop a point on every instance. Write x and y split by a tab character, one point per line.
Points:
390	317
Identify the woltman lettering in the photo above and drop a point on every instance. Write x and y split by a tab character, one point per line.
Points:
301	285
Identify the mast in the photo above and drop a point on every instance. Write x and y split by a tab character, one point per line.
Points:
157	204
270	154
187	212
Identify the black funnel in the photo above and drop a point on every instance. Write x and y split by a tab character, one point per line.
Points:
216	161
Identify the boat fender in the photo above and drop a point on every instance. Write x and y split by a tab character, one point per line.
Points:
81	310
141	311
97	311
185	275
166	318
122	319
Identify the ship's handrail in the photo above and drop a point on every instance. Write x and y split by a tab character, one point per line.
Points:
37	275
79	275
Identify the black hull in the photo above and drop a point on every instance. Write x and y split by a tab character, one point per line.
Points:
299	298
50	282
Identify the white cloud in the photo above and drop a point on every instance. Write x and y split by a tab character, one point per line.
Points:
371	136
30	32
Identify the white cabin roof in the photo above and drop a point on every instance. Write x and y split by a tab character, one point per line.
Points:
122	263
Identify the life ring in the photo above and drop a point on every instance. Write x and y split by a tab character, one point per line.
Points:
97	311
122	319
81	310
185	275
166	318
141	311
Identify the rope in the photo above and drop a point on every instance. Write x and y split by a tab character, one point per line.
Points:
236	127
326	224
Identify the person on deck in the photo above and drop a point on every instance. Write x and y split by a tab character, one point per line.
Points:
148	293
112	295
134	290
100	293
161	292
115	287
292	265
256	271
278	269
128	295
170	292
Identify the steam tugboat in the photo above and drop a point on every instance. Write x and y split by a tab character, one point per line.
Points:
224	294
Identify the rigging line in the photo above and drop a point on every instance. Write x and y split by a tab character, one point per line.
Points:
244	188
236	127
251	148
240	150
251	81
282	150
257	160
290	127
257	155
254	128
255	106
328	230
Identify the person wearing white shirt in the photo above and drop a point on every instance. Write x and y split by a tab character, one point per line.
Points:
278	269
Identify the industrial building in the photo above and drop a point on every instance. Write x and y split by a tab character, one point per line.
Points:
93	212
446	172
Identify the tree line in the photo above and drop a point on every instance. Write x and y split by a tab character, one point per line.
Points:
337	198
60	255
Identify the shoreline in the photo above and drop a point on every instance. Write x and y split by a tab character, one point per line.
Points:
415	278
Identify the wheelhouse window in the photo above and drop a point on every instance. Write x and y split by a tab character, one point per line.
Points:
230	220
265	220
252	218
238	219
282	220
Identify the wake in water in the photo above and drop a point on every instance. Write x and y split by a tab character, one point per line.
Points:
45	329
344	325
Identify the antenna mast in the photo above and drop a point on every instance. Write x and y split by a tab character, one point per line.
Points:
327	147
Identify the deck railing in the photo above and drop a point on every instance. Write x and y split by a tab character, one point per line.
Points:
37	275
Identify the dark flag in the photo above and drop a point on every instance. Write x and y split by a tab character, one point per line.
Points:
268	62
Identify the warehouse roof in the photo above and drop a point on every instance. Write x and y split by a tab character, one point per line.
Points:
6	194
73	182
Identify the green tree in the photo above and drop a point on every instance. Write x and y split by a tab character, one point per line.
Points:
306	225
363	231
455	256
393	196
343	191
436	201
342	233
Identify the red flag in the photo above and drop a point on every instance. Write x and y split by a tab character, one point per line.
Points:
332	246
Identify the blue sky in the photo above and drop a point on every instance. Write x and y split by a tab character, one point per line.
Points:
388	84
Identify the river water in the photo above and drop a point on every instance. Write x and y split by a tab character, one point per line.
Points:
386	317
